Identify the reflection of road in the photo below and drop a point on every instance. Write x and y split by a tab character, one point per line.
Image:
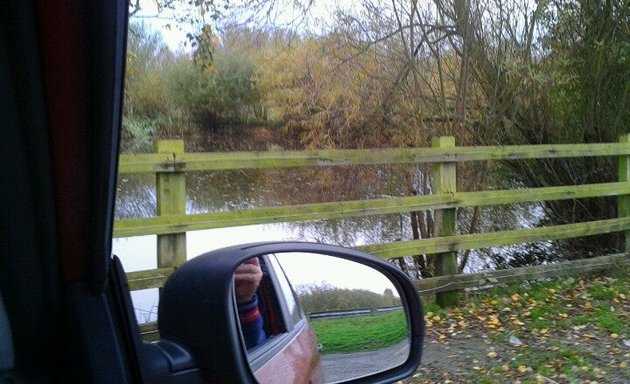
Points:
345	366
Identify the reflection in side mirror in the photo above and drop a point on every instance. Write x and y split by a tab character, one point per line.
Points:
322	319
197	317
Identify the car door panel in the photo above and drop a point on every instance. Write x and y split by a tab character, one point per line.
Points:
297	361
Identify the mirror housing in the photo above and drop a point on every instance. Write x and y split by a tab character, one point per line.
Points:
197	311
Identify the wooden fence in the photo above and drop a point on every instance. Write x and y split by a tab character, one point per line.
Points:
170	164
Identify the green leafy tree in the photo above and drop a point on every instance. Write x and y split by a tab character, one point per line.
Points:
221	96
570	86
146	100
325	297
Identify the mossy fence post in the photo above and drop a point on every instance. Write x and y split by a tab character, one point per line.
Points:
171	199
445	181
623	201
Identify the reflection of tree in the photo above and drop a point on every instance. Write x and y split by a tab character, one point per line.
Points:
325	297
336	184
273	187
243	189
215	191
351	231
135	196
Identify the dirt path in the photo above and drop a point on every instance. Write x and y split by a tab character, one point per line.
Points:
345	366
477	357
454	359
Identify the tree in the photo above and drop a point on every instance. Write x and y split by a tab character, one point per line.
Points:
325	297
563	79
397	73
430	79
148	107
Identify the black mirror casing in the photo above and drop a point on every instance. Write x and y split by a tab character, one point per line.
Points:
197	309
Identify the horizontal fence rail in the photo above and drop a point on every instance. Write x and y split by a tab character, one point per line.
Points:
156	277
495	239
160	225
503	276
180	162
171	163
351	312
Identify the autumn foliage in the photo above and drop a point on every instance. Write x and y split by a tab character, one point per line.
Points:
397	74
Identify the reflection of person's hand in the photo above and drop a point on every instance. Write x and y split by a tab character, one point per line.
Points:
247	278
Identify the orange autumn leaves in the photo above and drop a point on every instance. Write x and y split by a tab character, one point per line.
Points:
566	331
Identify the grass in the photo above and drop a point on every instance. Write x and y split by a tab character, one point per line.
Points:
613	322
559	304
361	333
573	330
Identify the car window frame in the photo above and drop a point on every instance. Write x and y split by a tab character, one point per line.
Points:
290	328
282	284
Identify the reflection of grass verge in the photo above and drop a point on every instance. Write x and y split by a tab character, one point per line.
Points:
361	333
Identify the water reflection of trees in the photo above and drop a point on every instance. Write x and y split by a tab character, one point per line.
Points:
135	196
352	231
220	190
225	190
215	191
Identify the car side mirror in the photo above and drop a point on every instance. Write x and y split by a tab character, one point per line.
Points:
303	287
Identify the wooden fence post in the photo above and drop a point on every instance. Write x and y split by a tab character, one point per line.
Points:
171	199
445	181
623	201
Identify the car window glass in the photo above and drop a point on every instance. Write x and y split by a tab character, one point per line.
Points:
269	305
293	309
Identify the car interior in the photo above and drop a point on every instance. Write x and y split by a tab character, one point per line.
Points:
269	303
6	342
61	69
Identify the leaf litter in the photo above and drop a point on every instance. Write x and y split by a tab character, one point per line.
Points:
565	330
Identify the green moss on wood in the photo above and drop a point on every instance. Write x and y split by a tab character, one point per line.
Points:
489	278
494	239
149	163
322	211
152	278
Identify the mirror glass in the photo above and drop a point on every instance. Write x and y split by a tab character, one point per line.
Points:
311	317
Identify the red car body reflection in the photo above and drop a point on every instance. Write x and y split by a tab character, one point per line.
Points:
298	361
290	353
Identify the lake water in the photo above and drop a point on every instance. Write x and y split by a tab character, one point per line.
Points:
229	190
219	191
140	253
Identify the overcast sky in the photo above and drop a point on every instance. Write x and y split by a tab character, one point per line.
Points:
174	33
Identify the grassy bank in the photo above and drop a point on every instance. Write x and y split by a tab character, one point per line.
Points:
572	330
361	333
